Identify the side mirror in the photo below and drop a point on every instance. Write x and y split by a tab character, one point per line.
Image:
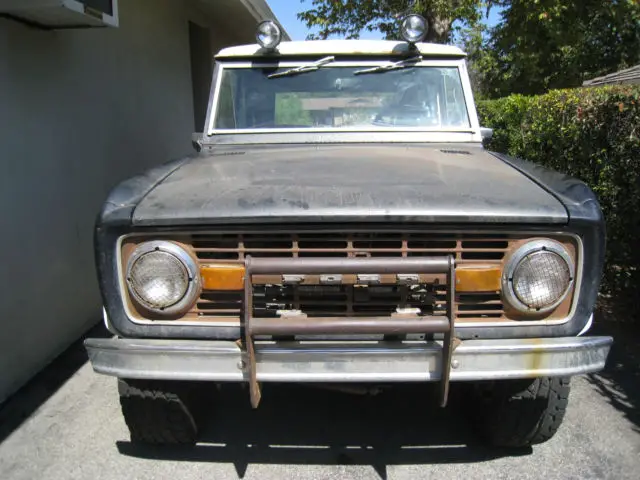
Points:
486	133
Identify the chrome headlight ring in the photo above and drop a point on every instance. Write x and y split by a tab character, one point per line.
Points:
192	290
516	259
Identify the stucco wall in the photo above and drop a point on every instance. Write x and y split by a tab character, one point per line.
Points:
79	111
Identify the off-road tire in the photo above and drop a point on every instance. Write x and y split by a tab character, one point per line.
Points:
161	412
521	413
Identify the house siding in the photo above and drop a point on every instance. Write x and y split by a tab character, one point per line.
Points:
80	111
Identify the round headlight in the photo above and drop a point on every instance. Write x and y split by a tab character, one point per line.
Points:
537	276
268	34
414	28
162	277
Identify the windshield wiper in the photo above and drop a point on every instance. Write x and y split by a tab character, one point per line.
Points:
303	68
407	62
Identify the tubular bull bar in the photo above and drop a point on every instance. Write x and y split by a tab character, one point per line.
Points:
301	325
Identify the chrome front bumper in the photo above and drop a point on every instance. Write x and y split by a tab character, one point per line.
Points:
222	361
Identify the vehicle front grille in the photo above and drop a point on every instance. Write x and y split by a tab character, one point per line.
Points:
348	298
238	246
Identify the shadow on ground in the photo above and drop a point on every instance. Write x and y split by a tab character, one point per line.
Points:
307	425
22	404
619	382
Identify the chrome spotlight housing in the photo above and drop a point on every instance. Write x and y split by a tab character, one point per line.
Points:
414	28
269	34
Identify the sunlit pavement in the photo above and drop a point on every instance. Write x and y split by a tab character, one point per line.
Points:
298	432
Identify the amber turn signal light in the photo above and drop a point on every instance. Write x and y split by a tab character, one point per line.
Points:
478	279
222	276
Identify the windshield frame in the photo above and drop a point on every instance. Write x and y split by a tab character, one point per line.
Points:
471	133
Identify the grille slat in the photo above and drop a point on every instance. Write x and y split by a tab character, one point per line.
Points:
347	299
350	250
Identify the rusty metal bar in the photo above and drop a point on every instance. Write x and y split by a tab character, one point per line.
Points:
250	362
447	343
360	325
379	265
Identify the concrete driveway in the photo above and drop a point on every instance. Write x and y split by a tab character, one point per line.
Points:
72	428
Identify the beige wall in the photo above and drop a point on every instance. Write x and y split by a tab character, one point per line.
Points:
79	111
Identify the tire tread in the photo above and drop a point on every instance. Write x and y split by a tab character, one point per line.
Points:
157	412
519	416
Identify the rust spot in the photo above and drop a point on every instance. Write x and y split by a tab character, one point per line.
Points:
535	357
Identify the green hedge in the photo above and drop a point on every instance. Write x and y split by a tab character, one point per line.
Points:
592	134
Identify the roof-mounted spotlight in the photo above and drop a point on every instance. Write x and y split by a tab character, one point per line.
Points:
269	34
414	28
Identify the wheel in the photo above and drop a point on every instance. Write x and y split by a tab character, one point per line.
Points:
161	412
520	413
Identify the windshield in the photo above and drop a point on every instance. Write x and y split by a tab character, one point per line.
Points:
340	98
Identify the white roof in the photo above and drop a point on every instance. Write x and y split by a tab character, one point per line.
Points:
342	47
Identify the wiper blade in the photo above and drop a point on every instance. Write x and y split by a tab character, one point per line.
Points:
407	62
303	68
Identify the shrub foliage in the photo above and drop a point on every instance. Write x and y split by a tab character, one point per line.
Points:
592	134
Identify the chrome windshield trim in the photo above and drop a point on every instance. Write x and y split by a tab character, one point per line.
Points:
255	137
334	130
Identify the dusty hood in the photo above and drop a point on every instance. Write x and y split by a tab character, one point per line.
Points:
354	182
